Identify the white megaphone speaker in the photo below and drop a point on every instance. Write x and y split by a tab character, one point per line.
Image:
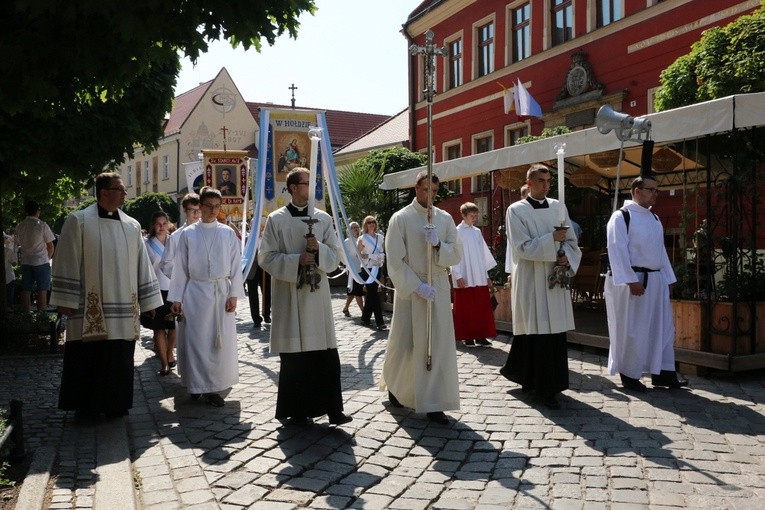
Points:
625	126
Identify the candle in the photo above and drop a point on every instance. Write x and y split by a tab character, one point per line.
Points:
560	150
313	133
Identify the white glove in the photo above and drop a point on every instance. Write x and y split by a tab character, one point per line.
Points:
431	236
426	292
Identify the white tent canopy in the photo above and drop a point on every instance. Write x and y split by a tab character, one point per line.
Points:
686	123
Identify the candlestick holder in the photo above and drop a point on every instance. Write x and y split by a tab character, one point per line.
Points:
559	275
308	274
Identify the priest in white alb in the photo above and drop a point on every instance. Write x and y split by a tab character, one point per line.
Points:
542	313
205	285
409	382
303	328
102	281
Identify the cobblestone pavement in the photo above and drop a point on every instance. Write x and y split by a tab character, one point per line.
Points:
703	448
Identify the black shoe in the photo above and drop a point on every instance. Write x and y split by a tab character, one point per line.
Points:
195	396
346	312
482	341
339	419
164	372
256	325
172	364
381	327
439	417
632	384
394	401
215	400
469	343
267	319
668	379
367	323
549	401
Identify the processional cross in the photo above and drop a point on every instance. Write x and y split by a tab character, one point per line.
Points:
429	52
225	130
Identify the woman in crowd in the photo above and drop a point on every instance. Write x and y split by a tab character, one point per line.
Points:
355	289
164	330
371	246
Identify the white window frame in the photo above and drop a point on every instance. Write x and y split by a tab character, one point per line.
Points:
476	50
473	142
146	168
510	34
129	176
165	167
456	187
458	36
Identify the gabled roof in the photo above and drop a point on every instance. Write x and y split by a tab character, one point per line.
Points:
393	131
344	127
183	105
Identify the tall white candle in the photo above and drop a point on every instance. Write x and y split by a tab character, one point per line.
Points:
314	134
560	150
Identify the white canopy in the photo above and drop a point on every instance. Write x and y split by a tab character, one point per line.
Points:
686	123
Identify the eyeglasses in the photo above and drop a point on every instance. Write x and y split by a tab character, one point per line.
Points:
193	210
371	223
212	207
120	189
652	190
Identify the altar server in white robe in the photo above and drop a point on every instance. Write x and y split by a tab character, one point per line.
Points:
303	329
192	210
405	375
205	285
102	280
641	328
538	358
473	314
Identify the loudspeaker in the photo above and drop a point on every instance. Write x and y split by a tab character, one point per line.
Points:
625	126
607	120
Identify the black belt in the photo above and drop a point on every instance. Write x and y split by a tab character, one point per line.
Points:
645	272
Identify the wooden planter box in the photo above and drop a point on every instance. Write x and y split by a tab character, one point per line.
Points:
690	327
503	314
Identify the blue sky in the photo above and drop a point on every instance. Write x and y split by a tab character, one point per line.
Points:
349	56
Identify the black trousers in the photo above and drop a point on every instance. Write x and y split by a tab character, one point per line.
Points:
260	280
538	362
372	304
309	384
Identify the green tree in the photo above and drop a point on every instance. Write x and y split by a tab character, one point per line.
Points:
725	61
142	207
360	184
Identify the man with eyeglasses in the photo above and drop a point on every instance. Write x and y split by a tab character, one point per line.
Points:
102	280
303	328
192	210
640	324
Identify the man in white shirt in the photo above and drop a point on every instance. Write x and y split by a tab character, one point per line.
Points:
36	241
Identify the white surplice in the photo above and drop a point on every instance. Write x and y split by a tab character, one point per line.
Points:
477	259
538	309
641	329
404	369
127	285
207	270
302	320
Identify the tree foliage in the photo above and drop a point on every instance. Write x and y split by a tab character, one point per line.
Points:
360	184
89	80
725	61
144	206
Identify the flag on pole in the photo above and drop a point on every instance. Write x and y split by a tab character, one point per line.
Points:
194	176
507	99
525	105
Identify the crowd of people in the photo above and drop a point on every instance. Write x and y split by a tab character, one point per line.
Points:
109	279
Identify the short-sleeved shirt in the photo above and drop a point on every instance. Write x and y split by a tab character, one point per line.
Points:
33	235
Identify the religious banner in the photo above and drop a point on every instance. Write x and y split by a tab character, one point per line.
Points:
227	171
194	175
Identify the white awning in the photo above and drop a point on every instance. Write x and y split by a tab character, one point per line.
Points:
689	122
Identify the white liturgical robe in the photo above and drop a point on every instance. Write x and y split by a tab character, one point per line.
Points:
538	309
477	259
207	270
404	369
641	329
302	320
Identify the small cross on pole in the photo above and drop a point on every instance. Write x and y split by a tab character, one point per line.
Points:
225	130
293	88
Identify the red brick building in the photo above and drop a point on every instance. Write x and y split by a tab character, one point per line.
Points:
573	56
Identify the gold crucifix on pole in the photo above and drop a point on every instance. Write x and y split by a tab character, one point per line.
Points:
225	130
